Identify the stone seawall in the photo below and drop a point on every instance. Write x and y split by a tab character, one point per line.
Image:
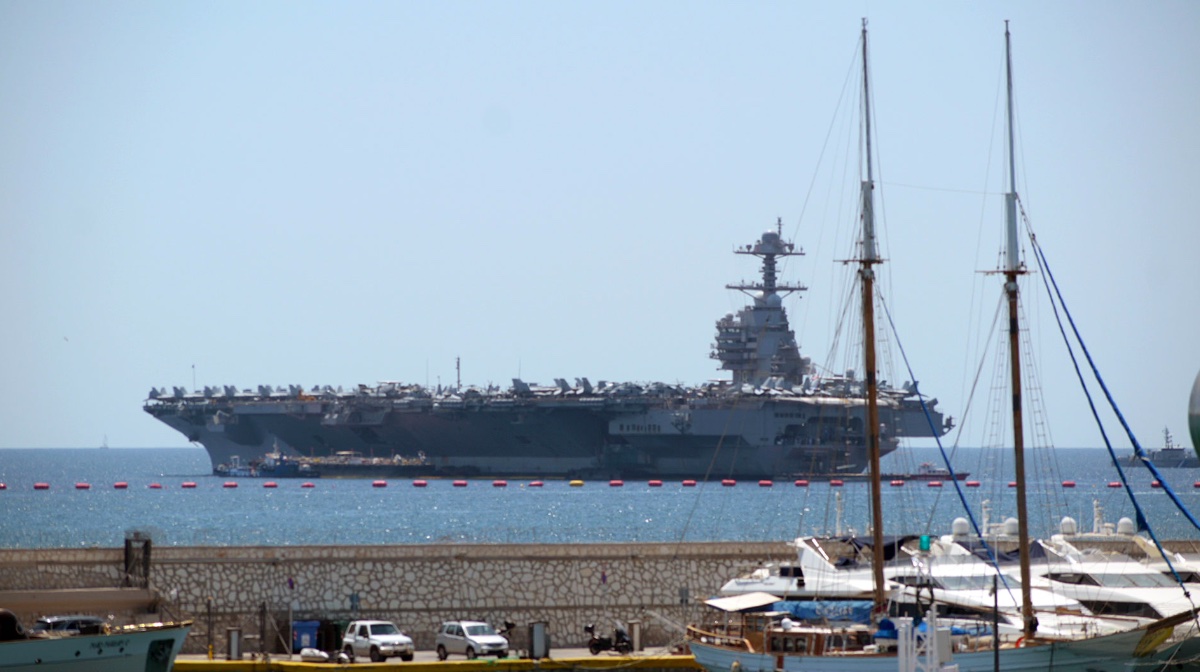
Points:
259	589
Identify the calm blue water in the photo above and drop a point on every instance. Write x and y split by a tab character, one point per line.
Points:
339	511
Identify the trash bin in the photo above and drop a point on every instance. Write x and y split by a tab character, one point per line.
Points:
233	643
539	640
304	635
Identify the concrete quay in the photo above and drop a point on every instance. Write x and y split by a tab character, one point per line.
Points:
260	590
426	661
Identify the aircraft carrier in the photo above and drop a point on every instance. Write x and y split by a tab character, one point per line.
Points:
775	418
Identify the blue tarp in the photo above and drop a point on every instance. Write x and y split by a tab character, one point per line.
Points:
854	611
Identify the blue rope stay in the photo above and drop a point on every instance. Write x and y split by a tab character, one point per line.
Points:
962	497
1056	300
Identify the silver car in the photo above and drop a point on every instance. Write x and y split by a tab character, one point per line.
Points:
471	639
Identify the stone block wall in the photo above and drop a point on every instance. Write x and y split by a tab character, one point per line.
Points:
416	586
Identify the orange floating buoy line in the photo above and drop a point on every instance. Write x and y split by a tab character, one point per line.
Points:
616	483
270	484
934	484
897	483
420	483
460	484
3	486
1068	484
308	484
155	486
1117	484
1156	484
82	486
229	484
728	482
802	483
188	484
41	486
499	484
535	484
121	485
378	484
655	483
766	484
689	483
836	483
973	484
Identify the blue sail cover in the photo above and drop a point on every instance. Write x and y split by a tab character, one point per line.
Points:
853	611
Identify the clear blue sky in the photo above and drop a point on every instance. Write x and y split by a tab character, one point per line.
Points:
342	193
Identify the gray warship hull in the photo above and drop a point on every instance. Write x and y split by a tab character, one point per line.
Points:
585	438
779	416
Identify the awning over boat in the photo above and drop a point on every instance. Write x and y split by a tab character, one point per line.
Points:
742	602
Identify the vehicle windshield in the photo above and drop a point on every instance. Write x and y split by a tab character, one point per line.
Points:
384	629
481	629
1140	580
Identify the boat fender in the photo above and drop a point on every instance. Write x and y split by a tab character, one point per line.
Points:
1020	642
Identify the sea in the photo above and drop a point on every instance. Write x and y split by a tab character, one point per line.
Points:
356	511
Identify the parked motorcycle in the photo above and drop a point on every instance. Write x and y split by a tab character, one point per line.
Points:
619	641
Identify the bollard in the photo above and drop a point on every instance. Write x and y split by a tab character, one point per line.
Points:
233	650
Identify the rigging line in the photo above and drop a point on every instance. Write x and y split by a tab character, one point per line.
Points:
962	497
1143	523
846	82
921	187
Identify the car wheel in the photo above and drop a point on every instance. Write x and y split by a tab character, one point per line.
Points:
441	652
406	657
375	656
349	651
594	648
470	653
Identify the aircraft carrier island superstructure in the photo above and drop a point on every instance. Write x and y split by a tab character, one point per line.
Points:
775	418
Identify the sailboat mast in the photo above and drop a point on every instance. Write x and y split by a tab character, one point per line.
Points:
869	258
1011	271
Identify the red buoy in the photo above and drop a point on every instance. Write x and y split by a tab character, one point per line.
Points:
230	484
616	483
765	484
836	483
535	484
897	483
83	486
1068	484
1156	484
689	483
308	484
499	484
1012	484
155	486
121	485
655	484
3	486
270	484
935	484
419	483
802	483
460	484
728	482
973	484
378	484
1117	484
188	484
41	486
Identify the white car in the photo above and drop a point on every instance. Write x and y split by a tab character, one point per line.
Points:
377	640
470	638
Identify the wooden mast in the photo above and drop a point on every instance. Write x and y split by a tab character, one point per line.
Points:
866	272
1012	270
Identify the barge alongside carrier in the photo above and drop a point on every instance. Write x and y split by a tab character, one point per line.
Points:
778	416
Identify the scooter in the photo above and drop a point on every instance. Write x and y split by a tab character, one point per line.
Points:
619	642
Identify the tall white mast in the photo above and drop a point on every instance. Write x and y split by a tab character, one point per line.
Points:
866	272
1012	270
